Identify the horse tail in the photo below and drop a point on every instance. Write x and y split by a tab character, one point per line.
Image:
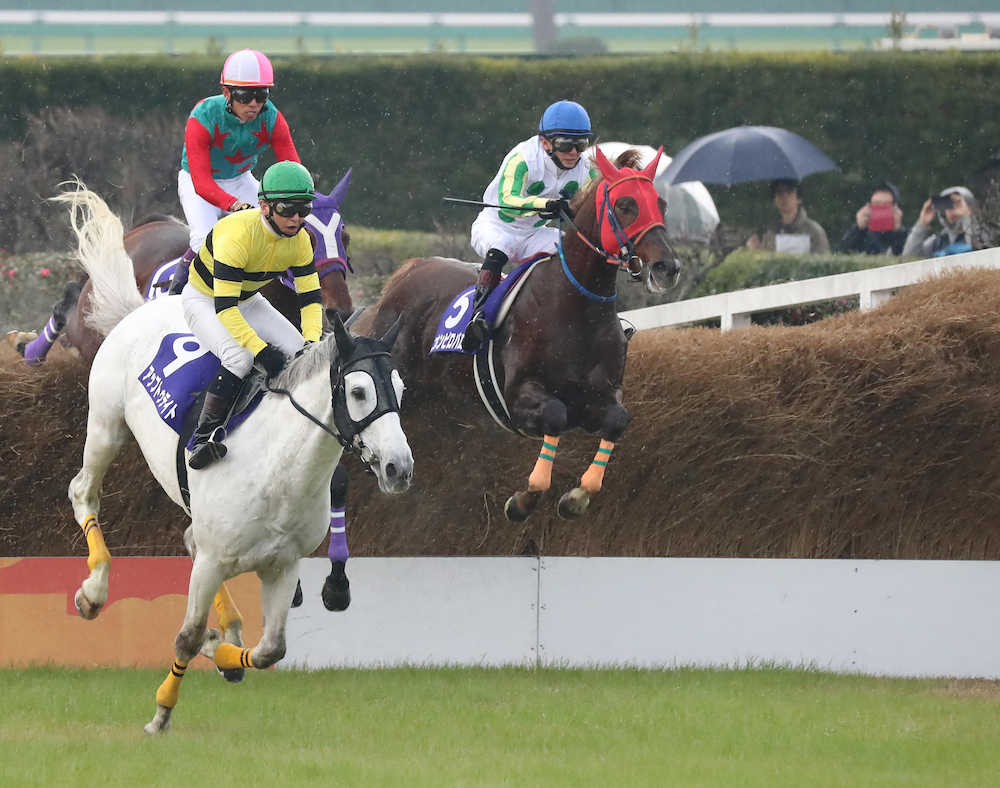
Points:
101	253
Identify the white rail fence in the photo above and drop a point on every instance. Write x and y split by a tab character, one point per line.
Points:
874	286
898	618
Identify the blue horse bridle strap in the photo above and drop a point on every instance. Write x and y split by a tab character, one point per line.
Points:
573	280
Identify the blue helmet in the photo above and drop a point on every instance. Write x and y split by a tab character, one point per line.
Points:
565	117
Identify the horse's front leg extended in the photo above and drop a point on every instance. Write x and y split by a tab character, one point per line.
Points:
536	411
206	577
575	502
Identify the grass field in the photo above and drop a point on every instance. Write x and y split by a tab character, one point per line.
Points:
686	727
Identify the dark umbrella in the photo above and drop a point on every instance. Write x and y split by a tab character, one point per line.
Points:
746	153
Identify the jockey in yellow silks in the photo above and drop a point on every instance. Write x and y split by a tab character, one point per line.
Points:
223	305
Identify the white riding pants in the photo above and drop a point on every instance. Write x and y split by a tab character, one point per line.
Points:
200	214
518	244
268	322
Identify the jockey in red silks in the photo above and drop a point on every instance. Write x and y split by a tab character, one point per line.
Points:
223	138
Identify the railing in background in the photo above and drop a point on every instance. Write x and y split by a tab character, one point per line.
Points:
873	286
54	31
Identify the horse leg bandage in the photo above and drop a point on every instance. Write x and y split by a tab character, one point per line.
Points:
167	694
592	480
98	551
226	609
36	350
228	656
541	476
337	551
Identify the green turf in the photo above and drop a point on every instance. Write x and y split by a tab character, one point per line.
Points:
760	727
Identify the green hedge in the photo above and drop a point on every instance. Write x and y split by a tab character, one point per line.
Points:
419	127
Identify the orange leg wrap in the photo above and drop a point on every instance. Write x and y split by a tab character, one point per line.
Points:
228	656
592	480
226	609
541	476
98	551
167	694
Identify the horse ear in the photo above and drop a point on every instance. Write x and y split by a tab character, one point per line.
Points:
608	170
345	342
389	337
340	190
650	169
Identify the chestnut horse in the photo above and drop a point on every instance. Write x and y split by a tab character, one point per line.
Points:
558	357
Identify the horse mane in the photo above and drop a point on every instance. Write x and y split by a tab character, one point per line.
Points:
399	273
308	362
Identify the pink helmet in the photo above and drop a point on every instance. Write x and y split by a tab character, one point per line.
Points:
247	68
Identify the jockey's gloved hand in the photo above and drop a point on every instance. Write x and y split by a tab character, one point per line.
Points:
271	360
553	209
239	206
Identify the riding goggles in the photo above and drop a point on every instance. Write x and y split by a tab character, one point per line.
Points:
566	144
287	208
246	95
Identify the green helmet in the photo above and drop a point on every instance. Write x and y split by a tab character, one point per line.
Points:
286	180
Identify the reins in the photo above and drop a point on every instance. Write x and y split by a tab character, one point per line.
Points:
355	445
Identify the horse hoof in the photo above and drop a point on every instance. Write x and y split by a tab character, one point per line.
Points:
337	591
87	609
297	596
573	504
232	675
521	504
160	722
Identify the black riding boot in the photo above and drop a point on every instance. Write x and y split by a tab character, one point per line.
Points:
489	277
208	436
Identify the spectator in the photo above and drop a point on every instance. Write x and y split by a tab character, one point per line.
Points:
953	207
878	224
794	232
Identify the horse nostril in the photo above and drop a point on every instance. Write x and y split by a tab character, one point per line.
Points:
390	470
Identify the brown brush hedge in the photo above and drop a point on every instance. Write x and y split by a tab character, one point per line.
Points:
866	435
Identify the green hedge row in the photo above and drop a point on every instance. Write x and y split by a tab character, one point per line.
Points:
417	128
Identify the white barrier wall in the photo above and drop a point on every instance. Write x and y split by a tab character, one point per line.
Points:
903	618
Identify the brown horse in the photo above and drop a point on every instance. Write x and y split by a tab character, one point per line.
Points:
559	355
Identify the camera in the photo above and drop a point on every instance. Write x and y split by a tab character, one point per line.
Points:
881	218
942	204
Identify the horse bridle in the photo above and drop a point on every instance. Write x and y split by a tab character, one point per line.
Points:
626	254
348	431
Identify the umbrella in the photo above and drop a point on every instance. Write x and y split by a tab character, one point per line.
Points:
747	153
691	212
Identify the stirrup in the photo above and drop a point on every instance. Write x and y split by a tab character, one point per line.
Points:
476	333
208	452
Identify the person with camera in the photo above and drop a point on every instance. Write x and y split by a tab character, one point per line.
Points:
224	136
793	232
878	224
223	305
537	179
953	207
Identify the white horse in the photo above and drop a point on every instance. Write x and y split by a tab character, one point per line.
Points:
267	503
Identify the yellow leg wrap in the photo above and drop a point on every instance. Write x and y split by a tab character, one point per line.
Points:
226	609
167	694
541	476
98	551
228	656
592	480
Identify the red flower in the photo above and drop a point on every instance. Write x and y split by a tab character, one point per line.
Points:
45	272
